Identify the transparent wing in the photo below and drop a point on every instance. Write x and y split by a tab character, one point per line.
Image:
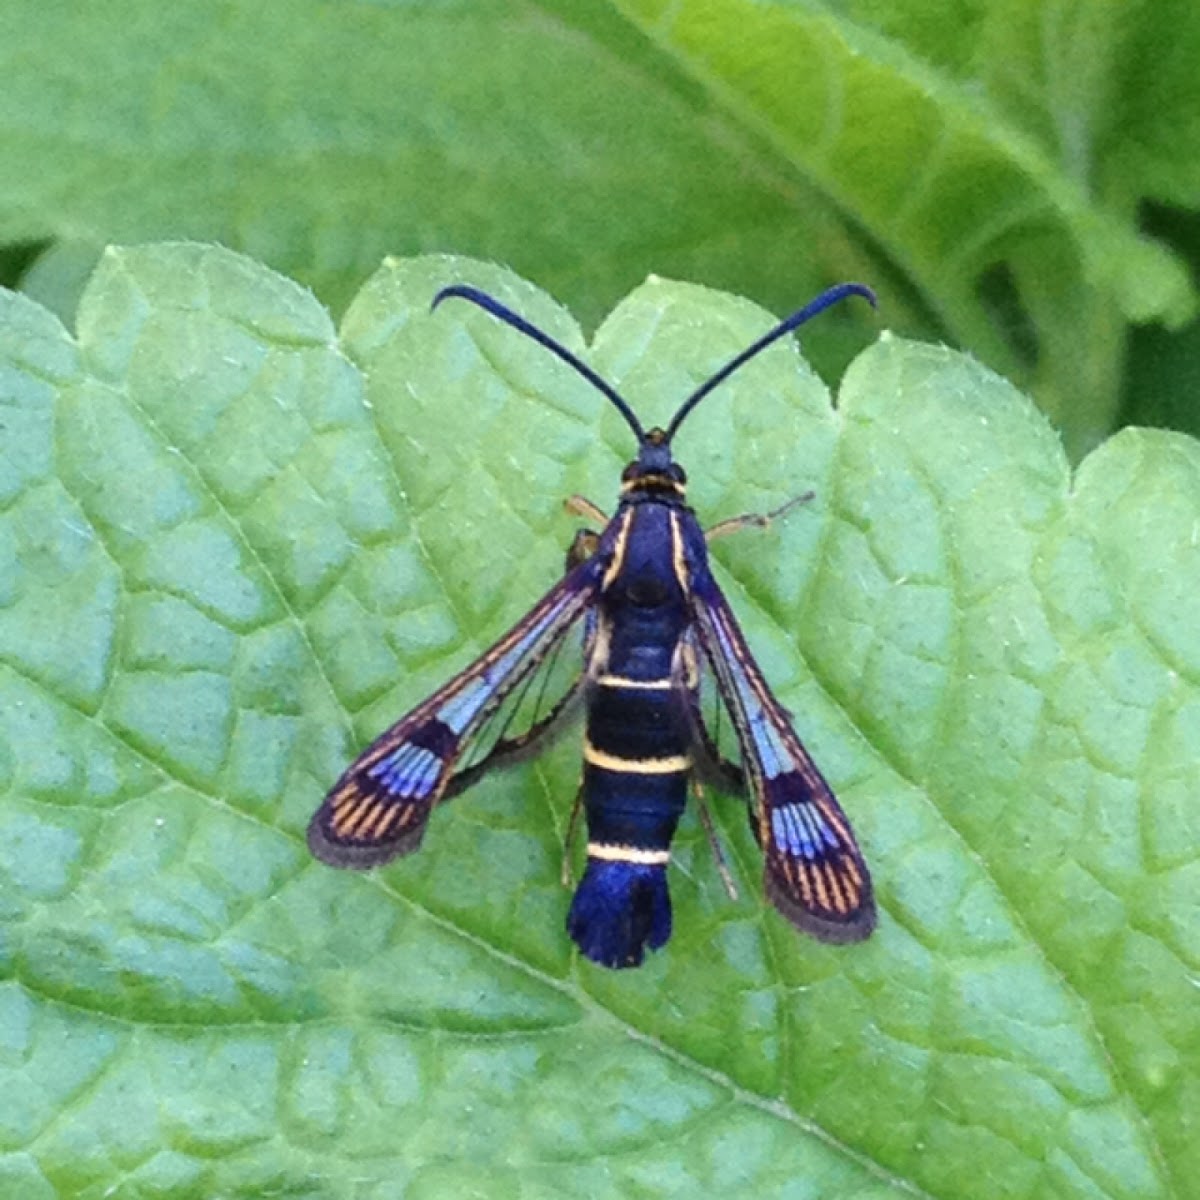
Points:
814	872
531	712
715	750
487	713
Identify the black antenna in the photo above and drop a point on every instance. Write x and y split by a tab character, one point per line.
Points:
492	305
811	309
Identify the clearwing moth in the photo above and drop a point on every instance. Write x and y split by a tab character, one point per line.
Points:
640	599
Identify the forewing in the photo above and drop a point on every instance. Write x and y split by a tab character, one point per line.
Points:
814	872
488	712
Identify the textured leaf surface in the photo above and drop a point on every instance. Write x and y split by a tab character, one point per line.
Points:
234	544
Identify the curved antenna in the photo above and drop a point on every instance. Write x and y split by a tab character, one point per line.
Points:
505	314
811	309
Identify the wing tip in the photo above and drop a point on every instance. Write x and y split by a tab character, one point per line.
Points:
855	927
357	857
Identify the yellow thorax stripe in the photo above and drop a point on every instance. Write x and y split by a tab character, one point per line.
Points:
648	483
618	556
678	557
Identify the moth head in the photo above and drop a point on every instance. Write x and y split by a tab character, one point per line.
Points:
654	470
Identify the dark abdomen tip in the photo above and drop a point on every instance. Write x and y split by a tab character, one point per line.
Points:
620	909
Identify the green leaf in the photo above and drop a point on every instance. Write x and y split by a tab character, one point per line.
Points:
235	543
557	141
1163	383
56	278
977	145
985	165
1155	138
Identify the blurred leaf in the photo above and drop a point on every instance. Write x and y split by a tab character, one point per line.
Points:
57	277
1165	379
234	545
560	142
983	164
964	139
1163	383
15	260
1154	139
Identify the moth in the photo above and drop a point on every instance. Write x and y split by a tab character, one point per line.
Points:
657	634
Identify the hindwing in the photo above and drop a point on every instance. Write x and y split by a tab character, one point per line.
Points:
814	873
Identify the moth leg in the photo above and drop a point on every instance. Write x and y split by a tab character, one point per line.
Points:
713	841
583	545
754	520
585	542
581	506
568	878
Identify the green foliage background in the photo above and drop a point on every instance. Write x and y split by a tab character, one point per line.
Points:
1019	179
237	539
